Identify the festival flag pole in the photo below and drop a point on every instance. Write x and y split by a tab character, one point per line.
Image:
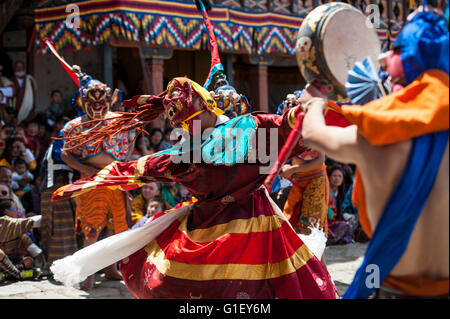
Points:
65	65
292	140
216	65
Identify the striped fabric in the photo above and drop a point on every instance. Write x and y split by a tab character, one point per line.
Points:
13	238
58	224
178	24
99	208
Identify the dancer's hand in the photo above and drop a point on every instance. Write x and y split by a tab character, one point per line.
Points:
286	171
89	170
311	91
136	101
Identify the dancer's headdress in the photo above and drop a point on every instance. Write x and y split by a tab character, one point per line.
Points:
92	97
423	44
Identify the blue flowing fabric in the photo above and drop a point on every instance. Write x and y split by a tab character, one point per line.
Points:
424	45
392	233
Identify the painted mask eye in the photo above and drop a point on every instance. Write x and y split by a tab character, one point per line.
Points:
176	93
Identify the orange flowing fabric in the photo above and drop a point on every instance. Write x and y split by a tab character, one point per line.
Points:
421	108
418	109
417	286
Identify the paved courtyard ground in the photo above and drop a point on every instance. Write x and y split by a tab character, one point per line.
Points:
342	262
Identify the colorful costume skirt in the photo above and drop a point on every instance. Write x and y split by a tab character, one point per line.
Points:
101	208
307	203
240	250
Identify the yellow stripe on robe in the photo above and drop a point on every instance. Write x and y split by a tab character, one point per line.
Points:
226	271
236	226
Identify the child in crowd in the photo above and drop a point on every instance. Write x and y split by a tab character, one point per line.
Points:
155	206
21	177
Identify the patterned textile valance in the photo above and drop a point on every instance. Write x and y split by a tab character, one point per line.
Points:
169	24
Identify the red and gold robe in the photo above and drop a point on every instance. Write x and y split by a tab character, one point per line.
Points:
234	242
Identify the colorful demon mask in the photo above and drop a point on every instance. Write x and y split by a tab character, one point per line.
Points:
227	99
291	101
185	100
94	97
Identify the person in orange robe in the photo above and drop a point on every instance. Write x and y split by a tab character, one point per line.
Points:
385	143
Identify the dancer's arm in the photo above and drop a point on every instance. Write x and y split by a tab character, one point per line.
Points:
157	167
343	144
71	161
289	169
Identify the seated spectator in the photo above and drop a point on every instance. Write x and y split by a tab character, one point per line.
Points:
156	137
58	126
350	214
56	109
31	199
21	178
340	231
142	147
9	130
32	141
17	251
166	142
6	180
138	205
7	116
155	206
44	131
15	149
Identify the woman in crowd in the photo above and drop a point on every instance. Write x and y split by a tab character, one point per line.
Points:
340	229
156	137
14	149
142	147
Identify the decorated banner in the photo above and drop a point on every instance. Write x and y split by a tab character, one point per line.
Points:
168	24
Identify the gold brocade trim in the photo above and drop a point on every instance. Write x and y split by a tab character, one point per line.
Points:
236	226
291	117
140	166
142	99
226	271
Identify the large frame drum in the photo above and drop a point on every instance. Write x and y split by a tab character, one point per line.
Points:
330	40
